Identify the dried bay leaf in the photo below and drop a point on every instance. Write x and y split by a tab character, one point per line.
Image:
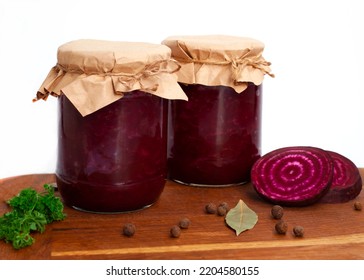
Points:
241	218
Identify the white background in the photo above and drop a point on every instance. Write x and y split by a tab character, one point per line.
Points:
316	49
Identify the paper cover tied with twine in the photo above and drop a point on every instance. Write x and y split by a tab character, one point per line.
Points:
215	60
95	73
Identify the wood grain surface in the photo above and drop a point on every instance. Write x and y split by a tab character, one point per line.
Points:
332	231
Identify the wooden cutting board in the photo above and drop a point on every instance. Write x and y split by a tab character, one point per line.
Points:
332	231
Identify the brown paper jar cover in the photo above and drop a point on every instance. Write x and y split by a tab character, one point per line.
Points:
95	73
219	60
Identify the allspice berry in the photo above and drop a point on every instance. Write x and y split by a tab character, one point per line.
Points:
277	212
184	223
281	227
129	229
357	206
211	208
298	231
221	210
224	205
175	231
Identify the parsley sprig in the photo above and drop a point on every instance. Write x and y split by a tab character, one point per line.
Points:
31	211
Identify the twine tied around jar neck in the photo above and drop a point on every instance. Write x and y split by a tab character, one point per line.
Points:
237	65
128	80
150	70
93	88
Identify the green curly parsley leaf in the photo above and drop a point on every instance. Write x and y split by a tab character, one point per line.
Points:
31	212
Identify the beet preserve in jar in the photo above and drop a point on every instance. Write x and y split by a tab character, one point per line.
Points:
215	137
112	128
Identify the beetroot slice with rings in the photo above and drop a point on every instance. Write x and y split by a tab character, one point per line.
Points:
346	181
293	176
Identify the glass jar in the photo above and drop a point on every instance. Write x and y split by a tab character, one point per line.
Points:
214	138
112	128
115	158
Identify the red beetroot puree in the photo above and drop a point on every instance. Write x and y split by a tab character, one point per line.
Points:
214	137
115	158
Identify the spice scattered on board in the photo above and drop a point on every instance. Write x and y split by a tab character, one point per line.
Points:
221	210
184	223
211	208
298	231
175	231
277	212
357	206
241	218
129	229
281	227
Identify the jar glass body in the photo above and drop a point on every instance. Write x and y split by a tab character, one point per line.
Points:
113	160
214	137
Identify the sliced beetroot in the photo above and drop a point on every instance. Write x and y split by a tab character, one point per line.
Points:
346	181
293	176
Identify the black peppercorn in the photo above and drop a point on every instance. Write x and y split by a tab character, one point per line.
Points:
184	223
211	208
277	212
298	231
175	231
129	230
281	227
